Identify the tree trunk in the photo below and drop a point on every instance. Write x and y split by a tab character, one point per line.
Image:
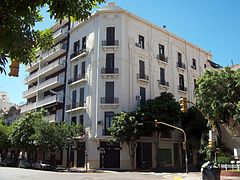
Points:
131	152
156	144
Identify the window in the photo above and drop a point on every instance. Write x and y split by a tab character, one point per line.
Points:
141	69
81	97
110	63
108	121
75	72
84	40
74	99
161	52
110	36
81	120
74	120
205	66
195	83
109	92
76	46
181	82
165	156
83	69
143	95
194	65
162	76
179	59
141	41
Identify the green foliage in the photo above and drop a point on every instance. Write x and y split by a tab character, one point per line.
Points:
125	127
23	132
224	158
4	132
194	123
163	108
18	38
218	94
55	137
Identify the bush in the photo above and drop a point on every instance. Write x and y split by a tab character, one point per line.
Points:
224	158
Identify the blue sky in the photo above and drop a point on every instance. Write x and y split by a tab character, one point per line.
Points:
211	24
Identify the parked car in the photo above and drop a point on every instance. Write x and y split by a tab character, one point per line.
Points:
9	163
25	163
43	165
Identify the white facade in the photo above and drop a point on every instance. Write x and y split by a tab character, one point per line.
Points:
87	69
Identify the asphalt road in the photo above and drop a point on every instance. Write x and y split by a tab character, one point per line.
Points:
28	174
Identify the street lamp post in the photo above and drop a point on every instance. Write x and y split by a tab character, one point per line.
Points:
184	142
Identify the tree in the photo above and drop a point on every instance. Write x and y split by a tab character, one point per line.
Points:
55	137
164	108
4	133
125	128
18	38
218	96
23	131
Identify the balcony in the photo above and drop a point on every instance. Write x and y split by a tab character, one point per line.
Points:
109	102
143	78
77	106
50	100
53	67
182	89
55	118
109	73
79	79
54	52
110	45
60	34
32	66
163	84
31	78
51	83
30	92
181	65
28	107
78	54
162	59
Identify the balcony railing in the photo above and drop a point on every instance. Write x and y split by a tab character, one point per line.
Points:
162	58
29	91
163	82
181	88
49	100
49	82
78	78
109	71
58	63
31	76
80	52
142	77
28	107
110	43
60	31
105	100
75	105
58	47
181	65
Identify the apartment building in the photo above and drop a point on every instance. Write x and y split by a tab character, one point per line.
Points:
47	75
116	61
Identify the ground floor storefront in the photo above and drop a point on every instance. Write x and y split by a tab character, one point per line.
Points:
102	153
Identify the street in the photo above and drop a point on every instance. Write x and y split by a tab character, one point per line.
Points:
7	173
28	174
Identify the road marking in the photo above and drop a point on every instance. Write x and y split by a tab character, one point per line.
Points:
177	178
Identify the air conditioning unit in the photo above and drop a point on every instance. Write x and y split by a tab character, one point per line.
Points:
100	122
138	97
